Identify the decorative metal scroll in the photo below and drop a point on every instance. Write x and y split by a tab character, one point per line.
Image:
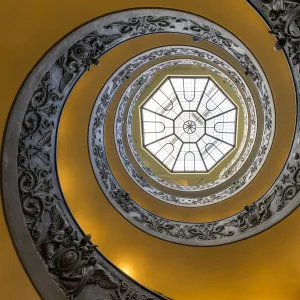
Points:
229	170
147	75
119	126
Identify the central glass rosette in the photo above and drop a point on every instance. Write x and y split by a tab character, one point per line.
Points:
189	124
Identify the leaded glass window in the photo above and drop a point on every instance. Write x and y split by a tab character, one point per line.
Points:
189	124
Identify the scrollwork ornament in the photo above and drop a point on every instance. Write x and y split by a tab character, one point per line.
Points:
290	186
253	215
284	16
143	81
68	258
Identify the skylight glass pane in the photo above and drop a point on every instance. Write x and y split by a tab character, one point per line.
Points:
177	84
211	89
164	102
189	91
184	160
223	126
214	102
189	124
189	88
167	89
166	150
212	150
155	127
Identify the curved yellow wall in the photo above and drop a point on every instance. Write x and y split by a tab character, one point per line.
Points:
267	267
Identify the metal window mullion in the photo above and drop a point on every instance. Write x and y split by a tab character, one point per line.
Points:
159	139
170	101
201	157
210	99
202	94
177	156
175	94
219	139
157	113
222	113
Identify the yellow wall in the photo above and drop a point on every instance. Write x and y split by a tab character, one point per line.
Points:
14	282
266	267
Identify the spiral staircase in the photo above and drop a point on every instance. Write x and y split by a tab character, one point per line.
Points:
150	150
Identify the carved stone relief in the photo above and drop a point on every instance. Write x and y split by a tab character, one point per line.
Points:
222	65
122	153
148	75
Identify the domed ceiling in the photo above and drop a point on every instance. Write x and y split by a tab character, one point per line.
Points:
189	124
157	129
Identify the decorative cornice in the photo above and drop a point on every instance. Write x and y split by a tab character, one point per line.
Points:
171	198
138	82
214	60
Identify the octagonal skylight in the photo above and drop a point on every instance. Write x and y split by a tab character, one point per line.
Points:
189	124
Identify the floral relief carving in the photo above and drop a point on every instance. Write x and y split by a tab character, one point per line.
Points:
144	79
290	187
284	17
70	258
82	56
228	170
254	214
